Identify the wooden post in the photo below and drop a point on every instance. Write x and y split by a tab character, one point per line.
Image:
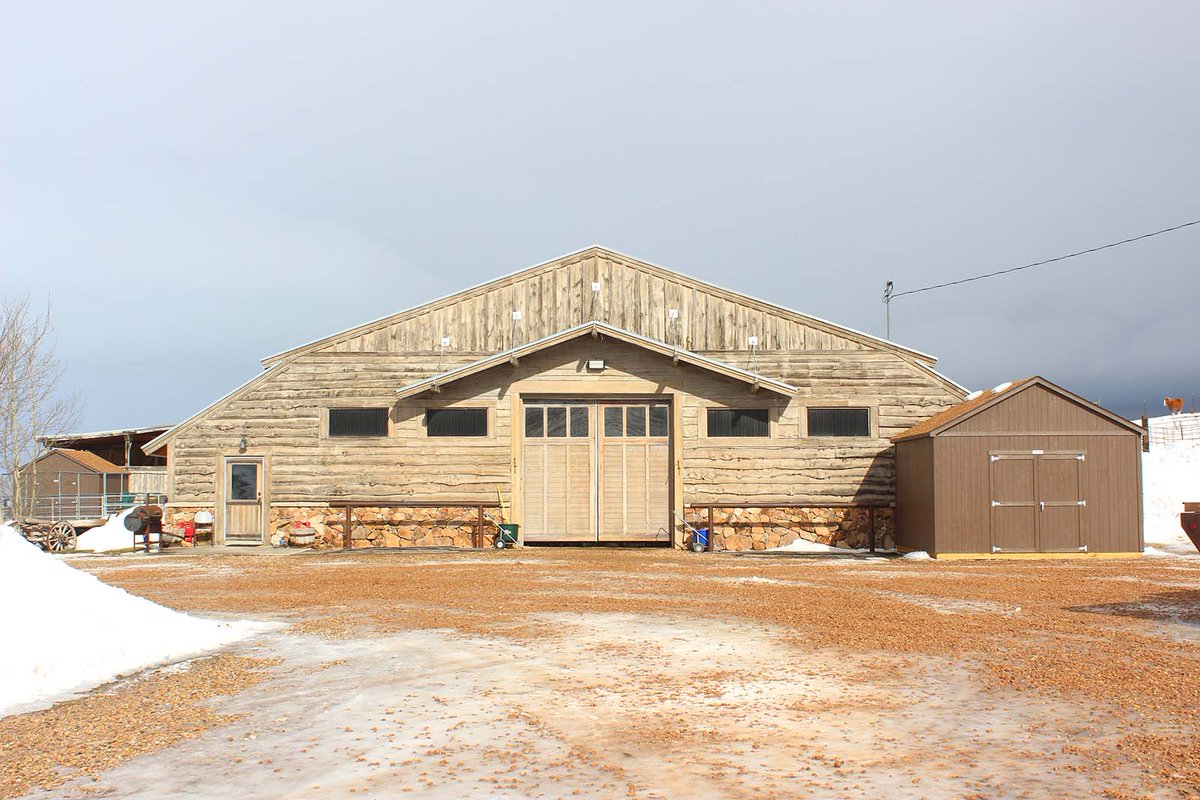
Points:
479	527
1145	433
712	534
346	532
871	517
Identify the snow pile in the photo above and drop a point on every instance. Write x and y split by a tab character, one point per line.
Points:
64	631
918	555
1170	475
805	546
111	536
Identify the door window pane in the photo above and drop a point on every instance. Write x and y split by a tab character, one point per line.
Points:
613	424
658	420
243	481
556	421
635	421
579	421
534	422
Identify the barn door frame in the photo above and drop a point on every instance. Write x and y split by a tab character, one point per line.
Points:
630	389
221	517
1039	502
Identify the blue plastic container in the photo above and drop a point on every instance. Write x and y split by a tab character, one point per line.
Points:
699	539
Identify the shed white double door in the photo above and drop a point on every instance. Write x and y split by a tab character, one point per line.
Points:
596	471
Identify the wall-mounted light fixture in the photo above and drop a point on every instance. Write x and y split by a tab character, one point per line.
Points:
596	364
242	445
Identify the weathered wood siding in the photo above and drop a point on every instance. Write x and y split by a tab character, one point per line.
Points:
283	418
634	296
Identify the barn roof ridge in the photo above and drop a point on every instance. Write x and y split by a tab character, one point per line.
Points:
862	337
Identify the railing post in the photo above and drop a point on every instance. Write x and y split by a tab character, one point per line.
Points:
346	531
712	534
479	528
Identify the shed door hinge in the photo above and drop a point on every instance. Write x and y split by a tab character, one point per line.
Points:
1082	457
995	549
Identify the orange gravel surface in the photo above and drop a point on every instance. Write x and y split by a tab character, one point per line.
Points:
650	673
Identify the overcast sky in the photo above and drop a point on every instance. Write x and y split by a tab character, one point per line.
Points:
198	186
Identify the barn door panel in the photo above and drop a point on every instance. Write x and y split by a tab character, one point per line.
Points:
634	496
1060	502
558	473
1014	503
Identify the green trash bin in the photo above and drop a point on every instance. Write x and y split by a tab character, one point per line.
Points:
508	535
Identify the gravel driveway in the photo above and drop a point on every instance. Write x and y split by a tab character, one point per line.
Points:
614	673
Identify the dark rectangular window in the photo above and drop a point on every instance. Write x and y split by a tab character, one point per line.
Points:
358	422
614	421
456	421
635	421
556	422
579	421
739	422
535	421
839	422
658	420
243	481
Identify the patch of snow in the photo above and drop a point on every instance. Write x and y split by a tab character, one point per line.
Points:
1170	476
65	631
805	546
918	555
974	395
109	537
1002	387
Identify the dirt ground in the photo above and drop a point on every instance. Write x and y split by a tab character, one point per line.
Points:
644	673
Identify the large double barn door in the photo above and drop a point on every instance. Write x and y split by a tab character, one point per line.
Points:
596	471
1037	502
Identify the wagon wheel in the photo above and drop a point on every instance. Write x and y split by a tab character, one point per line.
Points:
61	538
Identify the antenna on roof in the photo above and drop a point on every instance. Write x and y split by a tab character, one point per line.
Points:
887	310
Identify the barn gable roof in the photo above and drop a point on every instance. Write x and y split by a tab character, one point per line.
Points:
435	382
859	337
952	416
88	460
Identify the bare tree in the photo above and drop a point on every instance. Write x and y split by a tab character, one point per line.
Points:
31	404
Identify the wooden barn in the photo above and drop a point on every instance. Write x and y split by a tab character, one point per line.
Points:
1027	469
595	397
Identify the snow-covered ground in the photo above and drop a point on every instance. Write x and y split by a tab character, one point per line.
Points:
63	631
1170	476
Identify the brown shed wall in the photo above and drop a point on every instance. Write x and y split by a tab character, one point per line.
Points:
915	495
1110	476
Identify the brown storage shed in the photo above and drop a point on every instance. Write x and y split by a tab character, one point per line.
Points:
1028	469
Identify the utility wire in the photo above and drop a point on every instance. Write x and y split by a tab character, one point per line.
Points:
889	295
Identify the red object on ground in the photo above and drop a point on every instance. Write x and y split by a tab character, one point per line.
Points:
1189	520
189	531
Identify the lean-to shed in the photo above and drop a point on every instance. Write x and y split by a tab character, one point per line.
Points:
1026	469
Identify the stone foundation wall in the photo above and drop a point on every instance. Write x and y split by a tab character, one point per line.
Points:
765	528
174	517
454	526
442	526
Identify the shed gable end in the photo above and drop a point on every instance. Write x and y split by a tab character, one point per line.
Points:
1036	409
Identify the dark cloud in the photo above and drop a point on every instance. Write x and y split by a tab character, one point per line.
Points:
200	186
